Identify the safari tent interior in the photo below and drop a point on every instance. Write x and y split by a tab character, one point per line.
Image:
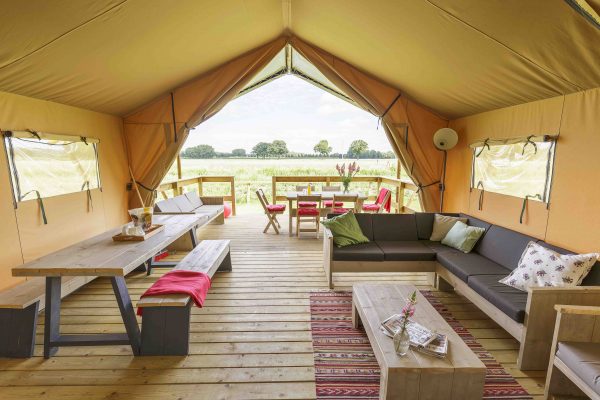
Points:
122	82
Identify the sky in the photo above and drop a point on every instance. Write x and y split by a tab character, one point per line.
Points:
292	110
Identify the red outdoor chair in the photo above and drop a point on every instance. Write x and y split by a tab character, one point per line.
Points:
383	203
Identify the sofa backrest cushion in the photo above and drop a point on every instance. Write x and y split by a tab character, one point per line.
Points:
183	203
425	223
592	279
392	227
194	199
167	205
472	221
503	246
365	222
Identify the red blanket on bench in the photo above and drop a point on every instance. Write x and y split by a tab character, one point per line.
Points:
194	284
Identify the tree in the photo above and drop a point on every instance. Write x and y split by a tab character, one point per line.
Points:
323	148
238	153
261	149
200	151
278	148
357	147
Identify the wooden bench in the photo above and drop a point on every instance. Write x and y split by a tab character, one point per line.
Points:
166	318
19	309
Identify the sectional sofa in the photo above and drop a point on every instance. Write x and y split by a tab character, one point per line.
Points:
400	243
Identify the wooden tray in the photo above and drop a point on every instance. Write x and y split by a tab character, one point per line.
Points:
154	229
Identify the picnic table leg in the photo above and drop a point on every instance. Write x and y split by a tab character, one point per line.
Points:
127	312
52	315
193	237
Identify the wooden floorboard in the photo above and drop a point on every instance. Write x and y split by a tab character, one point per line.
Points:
251	340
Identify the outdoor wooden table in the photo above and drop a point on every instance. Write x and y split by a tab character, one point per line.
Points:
416	376
101	256
293	196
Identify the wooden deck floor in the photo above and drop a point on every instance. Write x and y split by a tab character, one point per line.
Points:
250	341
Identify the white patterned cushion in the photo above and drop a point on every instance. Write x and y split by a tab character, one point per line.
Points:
540	266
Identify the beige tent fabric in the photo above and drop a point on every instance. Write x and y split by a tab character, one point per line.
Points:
400	115
152	143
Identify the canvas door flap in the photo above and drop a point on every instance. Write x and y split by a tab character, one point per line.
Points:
153	145
420	158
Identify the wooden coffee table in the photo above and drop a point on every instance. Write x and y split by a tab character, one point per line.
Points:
459	376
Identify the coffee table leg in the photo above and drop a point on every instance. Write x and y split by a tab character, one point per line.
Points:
355	316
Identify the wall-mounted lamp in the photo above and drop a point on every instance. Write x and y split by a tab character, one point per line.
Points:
444	139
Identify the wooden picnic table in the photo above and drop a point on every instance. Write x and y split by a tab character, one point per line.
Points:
293	196
101	256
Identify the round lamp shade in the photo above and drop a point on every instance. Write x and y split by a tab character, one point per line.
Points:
445	138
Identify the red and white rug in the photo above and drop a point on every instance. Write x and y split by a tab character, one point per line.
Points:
346	368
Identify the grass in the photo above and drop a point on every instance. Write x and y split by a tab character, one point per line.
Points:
251	174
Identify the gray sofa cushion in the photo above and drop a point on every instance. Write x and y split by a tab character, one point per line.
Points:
194	199
425	224
358	252
472	221
183	203
406	251
510	301
592	279
210	210
389	227
366	224
583	359
503	246
466	265
438	247
166	206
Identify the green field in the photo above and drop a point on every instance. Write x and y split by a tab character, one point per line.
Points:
251	174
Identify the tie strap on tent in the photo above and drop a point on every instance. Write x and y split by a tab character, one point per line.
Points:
484	145
482	191
525	200
531	139
40	203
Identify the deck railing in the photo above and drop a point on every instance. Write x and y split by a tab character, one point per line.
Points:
398	186
177	187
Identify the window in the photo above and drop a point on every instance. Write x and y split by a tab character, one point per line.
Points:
51	165
519	167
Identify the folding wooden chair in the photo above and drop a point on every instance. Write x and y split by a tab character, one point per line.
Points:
382	203
342	199
305	214
271	211
303	204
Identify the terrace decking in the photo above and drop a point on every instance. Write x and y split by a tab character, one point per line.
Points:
251	340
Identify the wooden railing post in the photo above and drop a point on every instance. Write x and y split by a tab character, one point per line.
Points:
274	189
200	188
232	186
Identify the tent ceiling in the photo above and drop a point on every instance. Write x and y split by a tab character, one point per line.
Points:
458	57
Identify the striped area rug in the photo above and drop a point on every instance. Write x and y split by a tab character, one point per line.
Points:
346	368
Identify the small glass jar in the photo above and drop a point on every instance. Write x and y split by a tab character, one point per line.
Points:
401	342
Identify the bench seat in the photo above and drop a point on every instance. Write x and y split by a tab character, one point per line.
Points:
166	318
412	250
510	301
464	266
360	252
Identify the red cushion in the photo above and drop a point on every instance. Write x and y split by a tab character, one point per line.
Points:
308	211
307	204
329	203
340	210
371	207
276	207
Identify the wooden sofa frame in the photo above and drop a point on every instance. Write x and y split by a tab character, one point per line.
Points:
534	334
573	324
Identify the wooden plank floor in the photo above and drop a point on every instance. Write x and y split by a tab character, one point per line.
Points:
250	341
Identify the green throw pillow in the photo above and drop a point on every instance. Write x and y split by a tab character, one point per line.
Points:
463	237
345	230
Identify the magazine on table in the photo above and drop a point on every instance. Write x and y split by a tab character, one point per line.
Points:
421	338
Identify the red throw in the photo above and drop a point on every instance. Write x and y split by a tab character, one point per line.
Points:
194	284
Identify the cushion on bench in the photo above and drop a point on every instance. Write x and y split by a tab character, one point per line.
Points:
194	199
167	206
183	203
390	227
465	265
472	221
405	251
365	221
503	246
583	359
438	247
425	224
358	252
209	210
510	301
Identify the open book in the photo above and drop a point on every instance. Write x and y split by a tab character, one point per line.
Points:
422	339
